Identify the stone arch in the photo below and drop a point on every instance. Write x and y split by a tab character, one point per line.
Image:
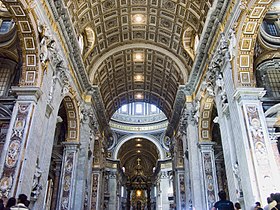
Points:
27	32
249	23
127	138
205	128
72	119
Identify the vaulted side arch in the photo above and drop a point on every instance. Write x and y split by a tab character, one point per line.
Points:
27	33
250	21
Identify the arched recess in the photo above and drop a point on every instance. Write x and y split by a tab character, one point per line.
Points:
72	119
205	120
250	21
27	33
127	138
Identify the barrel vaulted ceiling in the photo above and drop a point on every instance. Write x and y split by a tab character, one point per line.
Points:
138	50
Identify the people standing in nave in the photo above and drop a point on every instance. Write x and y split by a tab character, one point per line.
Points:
258	206
11	202
1	204
237	206
270	202
276	197
22	199
223	203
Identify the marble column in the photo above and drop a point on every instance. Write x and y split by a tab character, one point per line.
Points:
112	189
209	173
229	152
95	191
165	189
180	189
257	166
198	201
187	186
68	176
84	159
14	161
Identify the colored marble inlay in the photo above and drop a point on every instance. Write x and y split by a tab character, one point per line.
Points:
67	181
14	150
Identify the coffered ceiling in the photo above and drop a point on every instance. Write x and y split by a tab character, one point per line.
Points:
138	50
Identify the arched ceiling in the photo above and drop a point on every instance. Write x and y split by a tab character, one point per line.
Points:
160	24
138	148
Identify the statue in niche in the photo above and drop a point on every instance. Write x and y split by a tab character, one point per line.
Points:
36	186
237	176
232	44
45	39
224	44
210	89
197	111
221	84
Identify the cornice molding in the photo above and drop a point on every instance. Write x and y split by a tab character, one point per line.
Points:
249	94
208	34
62	16
27	93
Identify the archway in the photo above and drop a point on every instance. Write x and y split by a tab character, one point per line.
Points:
63	157
138	161
211	148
